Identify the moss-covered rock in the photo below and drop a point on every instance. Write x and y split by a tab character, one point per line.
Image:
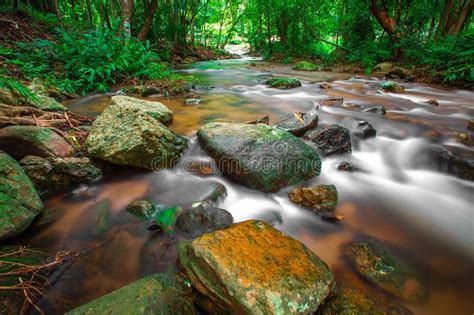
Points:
392	86
19	201
318	198
163	293
350	300
54	173
283	83
20	141
376	263
259	156
305	66
132	133
331	140
143	209
252	268
37	100
203	219
13	258
298	123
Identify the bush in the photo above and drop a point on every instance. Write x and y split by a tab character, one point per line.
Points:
306	66
86	62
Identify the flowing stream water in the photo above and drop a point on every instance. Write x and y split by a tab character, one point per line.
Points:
426	216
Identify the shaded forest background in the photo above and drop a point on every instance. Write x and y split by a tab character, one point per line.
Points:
85	46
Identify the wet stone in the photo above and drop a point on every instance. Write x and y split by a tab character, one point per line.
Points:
252	268
284	83
392	86
348	167
378	110
203	219
377	264
200	168
432	102
193	101
364	130
470	125
142	209
332	101
331	140
263	120
319	198
298	123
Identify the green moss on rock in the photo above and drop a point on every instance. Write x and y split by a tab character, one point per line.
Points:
283	83
318	198
163	293
392	86
305	66
259	156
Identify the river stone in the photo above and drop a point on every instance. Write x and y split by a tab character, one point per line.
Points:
364	130
142	209
54	172
203	219
305	66
259	156
130	132
200	167
376	263
262	120
155	109
347	167
470	125
283	83
331	140
20	141
19	201
319	198
391	86
11	301
163	293
350	300
298	123
379	110
252	268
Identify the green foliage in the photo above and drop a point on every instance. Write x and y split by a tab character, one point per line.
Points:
15	87
305	66
166	218
287	60
283	83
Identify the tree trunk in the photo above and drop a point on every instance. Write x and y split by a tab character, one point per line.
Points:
444	18
388	24
126	7
458	21
148	20
55	8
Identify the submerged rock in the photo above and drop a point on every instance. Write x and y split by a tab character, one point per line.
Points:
200	168
54	172
432	102
130	132
20	141
332	101
347	167
305	66
263	120
283	83
319	198
252	268
298	123
259	156
19	201
440	159
391	86
350	300
203	219
162	293
470	125
377	264
364	130
193	101
331	140
379	110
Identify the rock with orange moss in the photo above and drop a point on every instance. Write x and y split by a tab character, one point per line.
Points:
252	268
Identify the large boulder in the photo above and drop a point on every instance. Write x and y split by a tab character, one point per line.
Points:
391	86
54	172
259	156
252	268
19	201
163	293
376	263
331	140
20	141
131	132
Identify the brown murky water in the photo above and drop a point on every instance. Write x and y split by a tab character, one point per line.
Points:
425	215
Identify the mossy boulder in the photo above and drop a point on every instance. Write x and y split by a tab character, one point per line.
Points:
20	141
143	209
318	198
132	133
305	66
377	264
13	258
331	140
163	293
54	172
350	300
283	83
391	86
19	201
298	123
259	156
252	268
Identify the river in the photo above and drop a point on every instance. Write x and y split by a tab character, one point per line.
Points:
424	215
